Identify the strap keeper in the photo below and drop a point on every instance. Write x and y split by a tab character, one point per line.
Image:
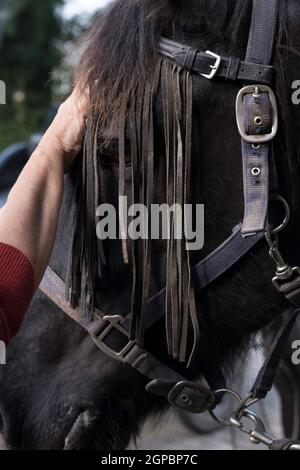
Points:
190	58
233	68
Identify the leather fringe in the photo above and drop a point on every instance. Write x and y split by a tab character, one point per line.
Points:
87	254
88	259
143	171
177	98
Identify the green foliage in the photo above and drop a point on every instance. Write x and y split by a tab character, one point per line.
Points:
32	47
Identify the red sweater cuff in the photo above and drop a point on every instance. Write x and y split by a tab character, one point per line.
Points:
16	290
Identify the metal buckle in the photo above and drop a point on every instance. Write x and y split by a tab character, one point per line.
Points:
191	397
256	139
129	354
214	67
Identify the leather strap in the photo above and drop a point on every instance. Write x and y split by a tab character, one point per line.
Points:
230	68
263	31
285	444
223	258
256	188
258	116
266	377
291	288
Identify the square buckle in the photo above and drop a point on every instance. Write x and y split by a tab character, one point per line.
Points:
108	325
214	67
256	139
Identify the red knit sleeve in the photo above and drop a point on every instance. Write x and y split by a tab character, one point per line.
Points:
16	290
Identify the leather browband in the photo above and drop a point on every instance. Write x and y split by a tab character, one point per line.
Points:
213	65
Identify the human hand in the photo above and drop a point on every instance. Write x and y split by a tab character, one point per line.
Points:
64	138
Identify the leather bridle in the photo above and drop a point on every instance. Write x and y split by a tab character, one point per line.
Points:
257	121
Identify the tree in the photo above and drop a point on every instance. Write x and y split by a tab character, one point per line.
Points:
31	48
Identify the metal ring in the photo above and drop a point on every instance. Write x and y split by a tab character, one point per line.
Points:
258	120
286	220
228	392
256	171
246	403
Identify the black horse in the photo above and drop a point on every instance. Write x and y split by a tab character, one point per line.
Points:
55	376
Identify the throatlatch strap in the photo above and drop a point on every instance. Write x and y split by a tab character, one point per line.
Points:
258	118
263	31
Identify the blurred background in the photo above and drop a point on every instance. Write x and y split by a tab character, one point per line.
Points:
35	37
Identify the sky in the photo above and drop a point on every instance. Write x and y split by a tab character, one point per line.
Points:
74	7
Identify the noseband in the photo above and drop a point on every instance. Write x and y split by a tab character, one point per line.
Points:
257	122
